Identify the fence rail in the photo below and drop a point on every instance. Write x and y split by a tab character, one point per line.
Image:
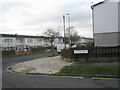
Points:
92	52
5	53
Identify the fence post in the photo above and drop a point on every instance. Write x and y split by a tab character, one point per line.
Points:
87	56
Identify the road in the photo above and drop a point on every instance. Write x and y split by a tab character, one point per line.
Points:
14	80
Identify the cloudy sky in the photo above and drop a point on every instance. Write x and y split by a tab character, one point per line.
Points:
33	17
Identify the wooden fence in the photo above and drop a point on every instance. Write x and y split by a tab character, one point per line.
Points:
12	52
6	53
92	52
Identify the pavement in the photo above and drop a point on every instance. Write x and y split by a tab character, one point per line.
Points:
43	65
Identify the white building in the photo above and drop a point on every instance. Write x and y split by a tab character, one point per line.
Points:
32	41
106	23
9	42
58	40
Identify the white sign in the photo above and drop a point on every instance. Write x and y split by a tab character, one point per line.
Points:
80	51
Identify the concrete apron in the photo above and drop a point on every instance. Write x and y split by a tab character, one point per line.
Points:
45	66
23	69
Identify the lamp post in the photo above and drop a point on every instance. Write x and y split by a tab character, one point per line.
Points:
69	28
64	31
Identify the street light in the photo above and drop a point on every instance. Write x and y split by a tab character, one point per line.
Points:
69	28
68	19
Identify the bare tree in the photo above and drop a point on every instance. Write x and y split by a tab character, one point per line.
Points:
72	34
52	34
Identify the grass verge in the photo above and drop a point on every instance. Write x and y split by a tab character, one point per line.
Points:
99	59
90	70
54	55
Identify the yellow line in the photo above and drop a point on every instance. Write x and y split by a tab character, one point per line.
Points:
106	78
61	76
44	75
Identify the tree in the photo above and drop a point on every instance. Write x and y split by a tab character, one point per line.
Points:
52	34
89	44
72	34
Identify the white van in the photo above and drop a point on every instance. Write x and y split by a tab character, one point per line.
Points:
61	47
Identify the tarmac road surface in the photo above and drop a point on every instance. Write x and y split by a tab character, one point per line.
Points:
15	80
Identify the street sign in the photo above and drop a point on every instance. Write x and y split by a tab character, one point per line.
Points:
80	51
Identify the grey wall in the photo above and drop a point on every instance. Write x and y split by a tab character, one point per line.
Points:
119	38
107	24
106	17
118	16
0	64
107	39
119	23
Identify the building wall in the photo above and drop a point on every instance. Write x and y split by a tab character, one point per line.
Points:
39	42
30	42
106	24
118	16
119	23
58	41
8	42
0	40
106	39
20	41
106	17
119	38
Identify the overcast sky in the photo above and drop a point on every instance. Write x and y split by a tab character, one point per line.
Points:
33	17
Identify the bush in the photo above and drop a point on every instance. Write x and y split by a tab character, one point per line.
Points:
89	45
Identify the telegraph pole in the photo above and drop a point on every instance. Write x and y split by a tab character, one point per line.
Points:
69	29
64	31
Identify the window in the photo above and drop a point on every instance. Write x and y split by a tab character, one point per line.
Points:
30	40
7	48
8	40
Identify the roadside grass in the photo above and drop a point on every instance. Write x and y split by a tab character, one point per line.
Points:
54	55
104	59
31	53
93	59
90	70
